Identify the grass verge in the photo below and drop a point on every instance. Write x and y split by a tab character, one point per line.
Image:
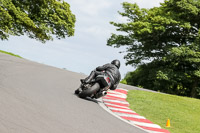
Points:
183	112
10	53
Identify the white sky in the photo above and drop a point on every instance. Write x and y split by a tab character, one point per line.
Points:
87	49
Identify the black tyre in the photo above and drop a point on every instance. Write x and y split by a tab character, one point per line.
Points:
77	91
88	92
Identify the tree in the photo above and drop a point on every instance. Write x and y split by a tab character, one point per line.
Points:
169	38
178	74
39	19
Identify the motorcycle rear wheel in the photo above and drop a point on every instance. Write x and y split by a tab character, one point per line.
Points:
88	92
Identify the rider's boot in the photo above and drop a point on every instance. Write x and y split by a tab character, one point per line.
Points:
89	78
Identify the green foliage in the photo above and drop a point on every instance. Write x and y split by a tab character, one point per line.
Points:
145	76
151	33
177	74
169	38
10	53
39	19
123	81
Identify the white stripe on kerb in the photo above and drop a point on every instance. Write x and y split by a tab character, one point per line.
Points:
120	96
129	115
116	101
145	124
131	111
116	105
117	93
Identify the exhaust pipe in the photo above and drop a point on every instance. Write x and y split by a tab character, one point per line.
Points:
104	93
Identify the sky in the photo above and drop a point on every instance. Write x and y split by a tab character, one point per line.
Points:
87	49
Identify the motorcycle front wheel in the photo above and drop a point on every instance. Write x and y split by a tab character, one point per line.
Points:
89	91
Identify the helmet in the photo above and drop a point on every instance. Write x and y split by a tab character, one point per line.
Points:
116	63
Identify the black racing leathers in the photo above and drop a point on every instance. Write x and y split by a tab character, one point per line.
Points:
113	73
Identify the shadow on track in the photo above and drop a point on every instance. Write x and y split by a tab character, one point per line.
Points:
89	99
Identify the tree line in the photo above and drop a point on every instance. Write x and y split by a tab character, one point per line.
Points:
164	44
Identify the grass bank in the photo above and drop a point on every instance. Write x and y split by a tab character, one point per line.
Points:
10	53
183	112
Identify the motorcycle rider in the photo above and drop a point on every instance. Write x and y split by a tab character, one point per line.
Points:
111	69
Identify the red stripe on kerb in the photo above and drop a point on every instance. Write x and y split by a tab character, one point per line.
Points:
124	112
121	91
117	107
121	104
136	119
114	98
154	129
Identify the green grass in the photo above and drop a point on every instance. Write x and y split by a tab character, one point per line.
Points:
183	112
10	53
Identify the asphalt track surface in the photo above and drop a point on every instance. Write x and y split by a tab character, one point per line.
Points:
35	98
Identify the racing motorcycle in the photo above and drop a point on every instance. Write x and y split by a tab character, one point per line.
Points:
97	88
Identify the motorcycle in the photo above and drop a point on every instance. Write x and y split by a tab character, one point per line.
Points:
97	88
